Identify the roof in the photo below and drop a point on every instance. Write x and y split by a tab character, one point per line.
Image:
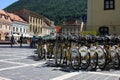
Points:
28	12
47	21
72	22
6	18
3	12
58	29
15	17
34	14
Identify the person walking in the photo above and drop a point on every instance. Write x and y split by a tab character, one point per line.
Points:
16	41
21	40
33	42
12	41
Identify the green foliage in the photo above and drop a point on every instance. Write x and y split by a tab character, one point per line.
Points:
57	10
90	33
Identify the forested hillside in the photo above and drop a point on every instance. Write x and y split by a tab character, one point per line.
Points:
56	10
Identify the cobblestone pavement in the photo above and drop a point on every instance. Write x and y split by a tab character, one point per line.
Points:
22	64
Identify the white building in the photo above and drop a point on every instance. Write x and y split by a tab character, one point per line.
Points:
48	27
19	26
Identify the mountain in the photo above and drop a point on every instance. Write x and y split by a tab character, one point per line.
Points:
57	10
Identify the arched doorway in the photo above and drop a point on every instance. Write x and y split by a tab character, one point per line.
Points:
104	30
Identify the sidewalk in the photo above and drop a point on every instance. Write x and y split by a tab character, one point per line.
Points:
4	42
14	46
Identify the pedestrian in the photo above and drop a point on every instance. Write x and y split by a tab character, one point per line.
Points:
16	41
21	40
12	40
33	41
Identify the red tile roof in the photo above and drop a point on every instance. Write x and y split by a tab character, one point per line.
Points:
15	17
58	29
3	12
6	18
28	12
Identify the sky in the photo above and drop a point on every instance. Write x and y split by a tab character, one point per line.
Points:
5	3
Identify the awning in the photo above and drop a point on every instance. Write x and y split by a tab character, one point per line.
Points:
16	35
27	35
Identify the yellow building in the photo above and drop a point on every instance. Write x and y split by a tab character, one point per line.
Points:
39	24
104	16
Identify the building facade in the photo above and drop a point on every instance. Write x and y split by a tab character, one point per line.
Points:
39	25
5	25
19	26
104	16
71	27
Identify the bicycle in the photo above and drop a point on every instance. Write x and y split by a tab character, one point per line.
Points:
102	57
93	56
75	56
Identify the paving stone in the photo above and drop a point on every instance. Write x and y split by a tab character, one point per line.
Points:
36	70
7	65
34	73
26	60
7	57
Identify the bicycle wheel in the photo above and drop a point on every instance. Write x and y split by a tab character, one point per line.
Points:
118	52
85	57
116	61
50	52
94	58
58	55
102	59
64	59
75	58
39	52
114	58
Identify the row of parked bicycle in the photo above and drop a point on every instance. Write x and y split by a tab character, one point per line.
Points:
81	52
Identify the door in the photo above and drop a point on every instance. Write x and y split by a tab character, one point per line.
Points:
104	30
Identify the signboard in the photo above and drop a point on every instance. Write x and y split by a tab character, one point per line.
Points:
84	18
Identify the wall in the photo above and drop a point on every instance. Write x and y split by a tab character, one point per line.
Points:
97	16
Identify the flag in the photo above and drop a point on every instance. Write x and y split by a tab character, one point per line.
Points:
82	24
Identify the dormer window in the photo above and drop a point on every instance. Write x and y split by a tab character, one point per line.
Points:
0	25
109	4
6	17
0	16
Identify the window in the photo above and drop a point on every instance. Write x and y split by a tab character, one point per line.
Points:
20	29
109	4
30	27
36	20
16	29
33	20
6	26
0	25
24	30
13	28
41	30
9	27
